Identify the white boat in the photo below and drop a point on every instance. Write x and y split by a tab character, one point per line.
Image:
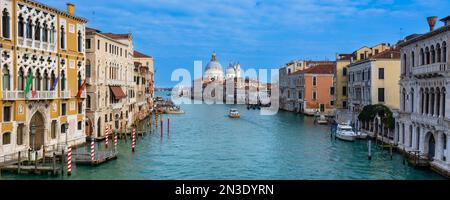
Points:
361	135
321	119
173	110
234	113
345	132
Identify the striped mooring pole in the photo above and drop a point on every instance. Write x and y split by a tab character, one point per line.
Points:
92	150
115	143
168	126
106	136
69	160
133	143
162	127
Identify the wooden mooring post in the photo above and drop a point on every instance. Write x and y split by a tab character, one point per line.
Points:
370	150
18	164
54	163
35	161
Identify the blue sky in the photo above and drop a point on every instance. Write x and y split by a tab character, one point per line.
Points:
256	33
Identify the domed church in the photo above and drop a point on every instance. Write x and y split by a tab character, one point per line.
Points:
214	71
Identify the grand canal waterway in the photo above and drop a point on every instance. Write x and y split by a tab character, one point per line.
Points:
205	144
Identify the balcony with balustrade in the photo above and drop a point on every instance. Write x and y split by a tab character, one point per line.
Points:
37	95
430	69
65	94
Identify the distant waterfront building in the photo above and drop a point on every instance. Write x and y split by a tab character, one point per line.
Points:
341	71
148	83
42	100
312	89
231	87
111	87
372	81
288	100
423	122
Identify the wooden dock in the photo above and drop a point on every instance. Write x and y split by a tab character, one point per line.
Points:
100	158
42	166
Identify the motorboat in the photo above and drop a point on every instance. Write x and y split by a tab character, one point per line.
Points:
346	133
173	110
234	113
361	135
321	119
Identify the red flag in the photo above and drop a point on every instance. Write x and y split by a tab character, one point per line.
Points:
81	89
33	93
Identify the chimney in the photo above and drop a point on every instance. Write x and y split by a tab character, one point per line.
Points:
71	8
431	22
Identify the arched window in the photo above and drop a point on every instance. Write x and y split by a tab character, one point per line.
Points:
63	38
344	71
404	64
422	57
438	53
404	100
45	33
29	28
6	78
413	60
433	54
88	102
63	80
52	34
80	41
444	52
427	56
46	84
21	80
88	68
52	81
38	80
444	96
6	24
412	100
37	31
20	28
6	138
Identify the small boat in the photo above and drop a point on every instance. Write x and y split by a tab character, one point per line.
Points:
361	135
321	119
173	110
234	113
345	132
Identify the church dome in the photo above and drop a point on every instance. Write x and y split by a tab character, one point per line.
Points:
214	64
214	69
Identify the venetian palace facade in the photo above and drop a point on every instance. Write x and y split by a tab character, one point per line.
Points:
42	63
424	119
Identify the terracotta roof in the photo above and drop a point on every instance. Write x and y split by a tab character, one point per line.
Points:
312	63
117	36
345	56
388	54
325	68
91	30
407	41
138	54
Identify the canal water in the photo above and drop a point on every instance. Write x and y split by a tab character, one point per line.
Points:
205	144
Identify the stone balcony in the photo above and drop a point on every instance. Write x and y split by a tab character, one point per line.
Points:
116	82
30	43
39	95
65	94
427	119
117	106
10	95
435	68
